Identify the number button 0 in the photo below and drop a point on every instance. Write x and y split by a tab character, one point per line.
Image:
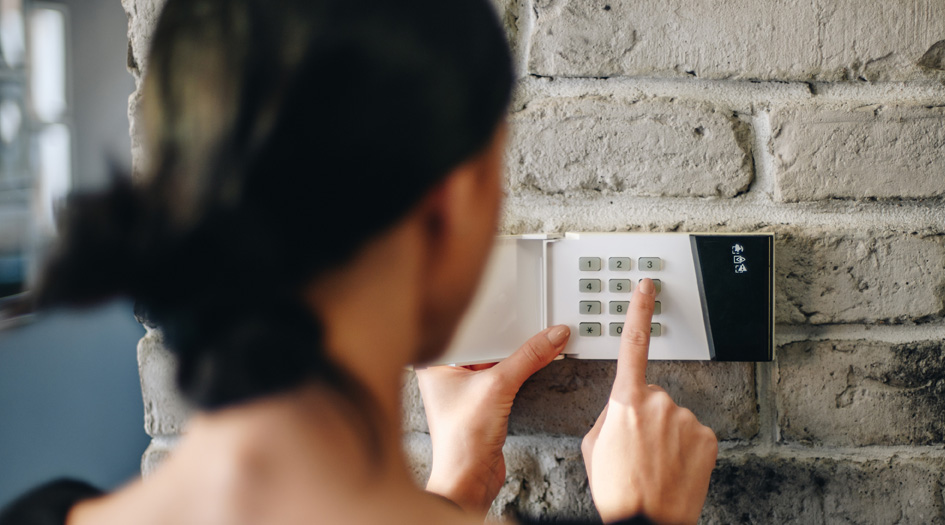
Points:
619	307
589	285
651	264
616	329
590	307
589	264
619	264
620	285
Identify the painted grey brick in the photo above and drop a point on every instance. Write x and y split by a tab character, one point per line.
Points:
658	147
773	489
566	397
862	393
545	476
786	40
154	455
142	19
852	277
511	14
863	152
165	411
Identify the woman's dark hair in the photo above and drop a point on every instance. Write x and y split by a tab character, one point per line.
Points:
281	135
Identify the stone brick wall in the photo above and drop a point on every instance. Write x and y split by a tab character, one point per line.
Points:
823	121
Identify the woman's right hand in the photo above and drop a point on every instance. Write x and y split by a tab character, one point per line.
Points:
646	455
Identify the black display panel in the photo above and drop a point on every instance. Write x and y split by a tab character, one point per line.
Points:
736	285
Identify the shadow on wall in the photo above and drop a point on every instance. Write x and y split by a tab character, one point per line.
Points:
70	400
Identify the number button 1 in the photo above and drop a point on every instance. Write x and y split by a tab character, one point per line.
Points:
589	264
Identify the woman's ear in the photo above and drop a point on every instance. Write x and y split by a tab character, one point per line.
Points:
458	219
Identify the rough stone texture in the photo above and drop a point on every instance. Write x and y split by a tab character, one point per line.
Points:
872	151
153	456
659	147
545	476
774	489
142	19
511	13
862	393
782	40
851	277
566	397
165	411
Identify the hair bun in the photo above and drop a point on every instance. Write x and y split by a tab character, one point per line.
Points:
98	253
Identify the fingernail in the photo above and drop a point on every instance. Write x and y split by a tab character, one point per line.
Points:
558	335
646	287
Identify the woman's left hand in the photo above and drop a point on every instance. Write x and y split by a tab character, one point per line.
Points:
468	412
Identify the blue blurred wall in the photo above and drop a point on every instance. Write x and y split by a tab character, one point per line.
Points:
70	399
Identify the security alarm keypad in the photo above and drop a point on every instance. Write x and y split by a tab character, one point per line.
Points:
618	287
714	298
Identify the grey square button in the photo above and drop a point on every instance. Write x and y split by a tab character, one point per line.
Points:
657	308
619	307
589	264
656	330
616	329
650	264
620	285
589	285
589	329
590	307
619	264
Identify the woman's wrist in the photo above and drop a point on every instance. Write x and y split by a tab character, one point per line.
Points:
469	497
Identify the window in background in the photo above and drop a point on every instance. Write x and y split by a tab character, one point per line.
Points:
35	138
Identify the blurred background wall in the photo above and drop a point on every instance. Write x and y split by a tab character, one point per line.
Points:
70	398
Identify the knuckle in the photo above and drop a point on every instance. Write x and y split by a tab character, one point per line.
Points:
533	352
636	336
641	306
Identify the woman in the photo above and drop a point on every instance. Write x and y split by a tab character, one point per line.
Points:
322	191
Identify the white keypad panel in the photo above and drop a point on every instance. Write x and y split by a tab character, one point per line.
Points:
605	270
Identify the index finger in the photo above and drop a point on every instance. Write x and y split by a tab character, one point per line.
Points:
635	340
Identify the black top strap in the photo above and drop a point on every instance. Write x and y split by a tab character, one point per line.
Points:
48	504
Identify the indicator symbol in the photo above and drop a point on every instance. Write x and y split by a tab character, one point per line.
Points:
738	259
741	268
737	249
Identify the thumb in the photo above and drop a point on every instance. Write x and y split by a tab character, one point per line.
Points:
532	356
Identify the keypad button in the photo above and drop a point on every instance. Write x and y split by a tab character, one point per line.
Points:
650	264
620	285
656	284
589	264
589	329
589	285
657	308
619	264
616	329
590	307
619	307
656	330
